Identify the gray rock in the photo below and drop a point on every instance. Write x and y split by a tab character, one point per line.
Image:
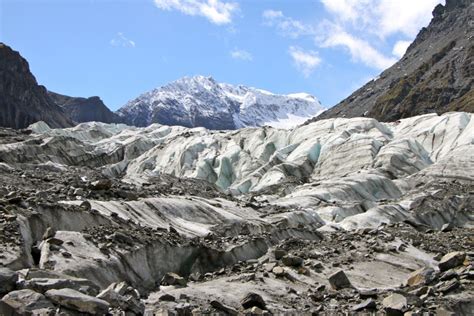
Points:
27	301
339	280
7	310
395	304
171	278
42	285
76	300
8	279
253	299
86	205
448	286
183	309
119	295
421	276
448	275
224	308
122	238
48	233
279	271
367	304
102	184
279	253
292	261
269	266
447	227
452	260
167	298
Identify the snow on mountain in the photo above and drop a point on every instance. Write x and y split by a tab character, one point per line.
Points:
201	101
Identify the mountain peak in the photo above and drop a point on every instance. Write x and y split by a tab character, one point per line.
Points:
202	101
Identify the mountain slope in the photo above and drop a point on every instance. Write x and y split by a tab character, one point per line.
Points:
436	73
85	109
201	101
23	101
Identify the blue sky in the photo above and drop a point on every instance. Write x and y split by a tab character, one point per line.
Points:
119	49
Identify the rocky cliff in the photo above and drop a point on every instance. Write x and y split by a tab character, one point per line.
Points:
82	110
22	100
435	75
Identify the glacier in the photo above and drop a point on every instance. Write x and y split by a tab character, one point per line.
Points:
337	168
111	203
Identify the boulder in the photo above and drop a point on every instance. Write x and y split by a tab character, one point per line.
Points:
26	301
8	279
49	232
279	253
292	261
448	286
367	304
42	285
224	308
339	280
447	227
395	304
102	184
7	310
167	298
120	295
421	277
269	266
78	301
253	299
279	271
171	278
452	260
86	206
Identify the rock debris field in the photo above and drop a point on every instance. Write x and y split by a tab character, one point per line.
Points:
340	216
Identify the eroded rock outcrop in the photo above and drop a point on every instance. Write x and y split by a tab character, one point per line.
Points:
23	101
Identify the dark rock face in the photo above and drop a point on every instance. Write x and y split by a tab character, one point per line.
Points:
435	75
23	101
82	110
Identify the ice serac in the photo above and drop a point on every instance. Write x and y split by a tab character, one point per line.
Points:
202	102
335	168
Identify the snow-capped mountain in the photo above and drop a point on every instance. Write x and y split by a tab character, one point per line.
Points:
201	101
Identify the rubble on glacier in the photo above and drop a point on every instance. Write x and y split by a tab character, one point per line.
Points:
98	204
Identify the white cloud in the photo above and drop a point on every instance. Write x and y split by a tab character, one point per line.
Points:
361	27
346	10
360	50
383	17
122	41
216	11
400	48
305	61
286	25
241	54
405	16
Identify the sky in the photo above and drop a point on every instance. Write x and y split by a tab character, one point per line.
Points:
118	49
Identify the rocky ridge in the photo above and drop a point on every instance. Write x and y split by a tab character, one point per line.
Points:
435	75
82	110
93	221
23	101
